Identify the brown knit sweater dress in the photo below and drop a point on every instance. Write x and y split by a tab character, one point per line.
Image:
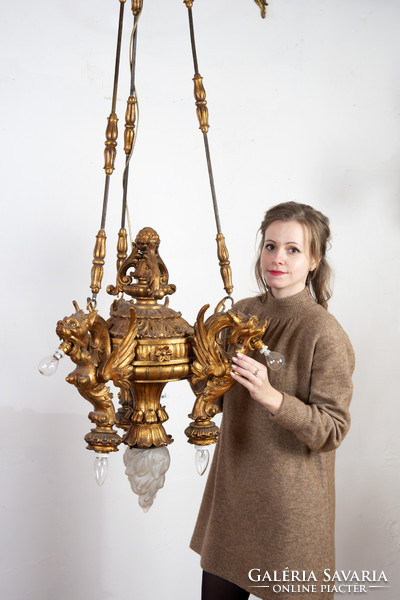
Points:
269	502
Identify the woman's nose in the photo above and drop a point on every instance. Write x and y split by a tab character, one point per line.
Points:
279	257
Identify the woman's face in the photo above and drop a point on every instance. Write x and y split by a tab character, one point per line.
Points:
286	258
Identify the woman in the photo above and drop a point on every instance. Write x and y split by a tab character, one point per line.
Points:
266	521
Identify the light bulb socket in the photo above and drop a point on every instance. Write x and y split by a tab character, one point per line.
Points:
266	351
58	354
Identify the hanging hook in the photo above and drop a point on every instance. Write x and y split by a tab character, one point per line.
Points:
91	303
221	304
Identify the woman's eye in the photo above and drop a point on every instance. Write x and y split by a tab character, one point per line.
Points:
269	246
294	250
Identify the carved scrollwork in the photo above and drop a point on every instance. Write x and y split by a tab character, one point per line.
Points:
146	266
154	321
212	365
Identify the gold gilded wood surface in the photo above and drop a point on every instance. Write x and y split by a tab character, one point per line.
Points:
137	7
110	151
212	365
147	417
163	351
263	7
89	347
130	121
155	321
124	411
224	264
201	102
142	347
163	354
146	266
122	247
99	254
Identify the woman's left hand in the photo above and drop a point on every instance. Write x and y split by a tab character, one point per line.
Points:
254	377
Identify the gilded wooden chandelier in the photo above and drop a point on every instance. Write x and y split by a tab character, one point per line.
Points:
144	344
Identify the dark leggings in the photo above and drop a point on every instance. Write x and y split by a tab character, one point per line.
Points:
216	588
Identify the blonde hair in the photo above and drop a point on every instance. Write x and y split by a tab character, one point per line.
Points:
318	229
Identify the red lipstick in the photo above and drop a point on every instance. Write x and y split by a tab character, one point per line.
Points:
276	273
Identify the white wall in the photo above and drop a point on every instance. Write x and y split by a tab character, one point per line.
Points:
303	106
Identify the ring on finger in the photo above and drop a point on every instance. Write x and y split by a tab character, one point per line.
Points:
256	372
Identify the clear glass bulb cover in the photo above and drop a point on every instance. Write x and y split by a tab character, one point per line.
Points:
274	360
100	468
201	459
48	365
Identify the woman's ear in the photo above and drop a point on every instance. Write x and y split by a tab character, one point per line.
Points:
314	264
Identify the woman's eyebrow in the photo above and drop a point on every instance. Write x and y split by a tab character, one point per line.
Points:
286	243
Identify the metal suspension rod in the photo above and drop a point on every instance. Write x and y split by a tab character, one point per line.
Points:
129	147
202	115
99	251
204	126
129	140
192	40
105	202
134	44
212	185
112	131
118	54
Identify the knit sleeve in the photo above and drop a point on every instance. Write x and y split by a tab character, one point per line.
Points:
323	422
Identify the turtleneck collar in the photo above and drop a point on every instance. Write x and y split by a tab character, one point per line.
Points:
291	304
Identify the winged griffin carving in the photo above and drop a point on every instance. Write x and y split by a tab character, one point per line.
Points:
214	342
89	346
